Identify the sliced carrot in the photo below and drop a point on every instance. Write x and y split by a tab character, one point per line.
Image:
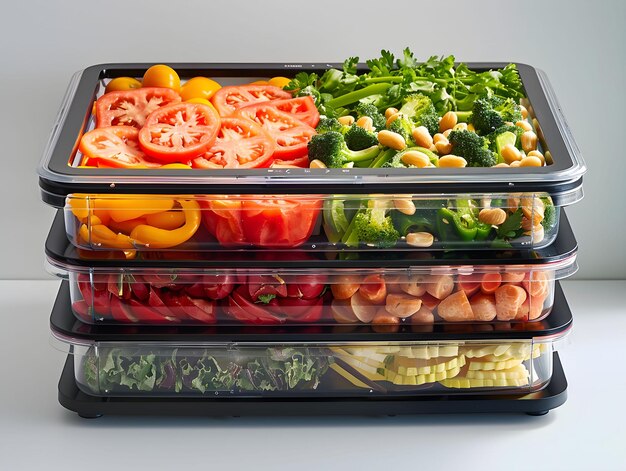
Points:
469	283
384	322
513	278
343	287
413	285
483	306
402	305
373	289
490	282
423	316
455	308
362	308
509	298
439	286
429	301
524	310
536	306
536	283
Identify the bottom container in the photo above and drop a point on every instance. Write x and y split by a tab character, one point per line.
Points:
88	406
303	363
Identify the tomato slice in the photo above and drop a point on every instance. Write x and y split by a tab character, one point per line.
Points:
114	146
302	108
302	162
179	132
227	100
240	143
291	134
132	107
222	218
278	222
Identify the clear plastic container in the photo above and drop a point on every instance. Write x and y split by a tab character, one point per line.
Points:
148	369
390	289
62	174
133	223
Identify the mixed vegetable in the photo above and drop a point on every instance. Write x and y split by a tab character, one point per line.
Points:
312	298
313	370
399	113
143	222
202	371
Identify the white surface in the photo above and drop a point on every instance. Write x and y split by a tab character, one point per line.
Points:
585	433
580	44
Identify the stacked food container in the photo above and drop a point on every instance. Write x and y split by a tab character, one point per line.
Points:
329	277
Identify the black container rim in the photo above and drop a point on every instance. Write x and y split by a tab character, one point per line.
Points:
68	329
62	255
58	179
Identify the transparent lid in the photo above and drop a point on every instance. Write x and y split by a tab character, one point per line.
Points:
60	174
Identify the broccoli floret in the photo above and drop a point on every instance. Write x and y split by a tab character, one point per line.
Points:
403	126
368	109
489	114
472	148
373	226
395	162
331	149
549	215
358	138
421	111
329	124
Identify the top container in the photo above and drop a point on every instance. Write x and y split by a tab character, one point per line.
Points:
61	176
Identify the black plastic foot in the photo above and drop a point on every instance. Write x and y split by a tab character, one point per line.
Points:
89	416
538	414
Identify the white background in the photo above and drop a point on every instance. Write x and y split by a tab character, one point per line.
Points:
580	44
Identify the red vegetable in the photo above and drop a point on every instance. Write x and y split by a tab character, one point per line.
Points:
179	132
229	99
132	107
290	134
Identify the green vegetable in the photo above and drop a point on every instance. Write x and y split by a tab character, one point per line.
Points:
490	113
472	148
510	227
549	221
265	298
396	160
369	110
358	138
204	371
423	220
421	111
372	226
503	139
335	220
330	124
331	149
461	223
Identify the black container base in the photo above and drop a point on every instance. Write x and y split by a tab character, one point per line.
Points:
536	404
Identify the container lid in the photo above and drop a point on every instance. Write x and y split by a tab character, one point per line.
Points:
67	328
561	179
559	257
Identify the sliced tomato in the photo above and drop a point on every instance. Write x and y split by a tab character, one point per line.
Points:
115	146
222	218
291	135
241	307
132	107
240	143
147	314
302	108
302	162
179	132
227	100
278	222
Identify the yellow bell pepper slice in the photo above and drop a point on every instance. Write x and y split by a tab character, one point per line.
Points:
157	238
